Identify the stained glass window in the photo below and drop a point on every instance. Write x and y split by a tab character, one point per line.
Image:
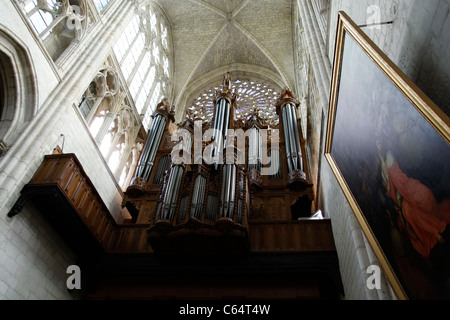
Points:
253	97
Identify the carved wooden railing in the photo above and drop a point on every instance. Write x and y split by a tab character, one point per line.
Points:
61	186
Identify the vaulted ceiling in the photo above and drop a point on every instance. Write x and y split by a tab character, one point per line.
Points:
248	38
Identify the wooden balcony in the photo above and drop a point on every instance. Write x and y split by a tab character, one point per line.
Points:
65	195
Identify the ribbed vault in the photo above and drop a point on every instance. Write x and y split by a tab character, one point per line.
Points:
244	37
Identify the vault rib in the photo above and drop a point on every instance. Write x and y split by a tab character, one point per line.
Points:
210	7
264	51
239	8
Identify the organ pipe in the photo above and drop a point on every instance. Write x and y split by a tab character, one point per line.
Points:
232	191
164	164
275	156
198	197
292	138
221	123
211	207
228	191
255	150
171	195
151	147
173	186
286	139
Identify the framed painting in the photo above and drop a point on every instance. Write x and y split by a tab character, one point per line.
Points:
388	146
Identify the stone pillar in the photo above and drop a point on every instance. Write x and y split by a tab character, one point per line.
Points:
320	64
321	8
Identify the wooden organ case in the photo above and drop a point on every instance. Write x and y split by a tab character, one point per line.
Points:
216	208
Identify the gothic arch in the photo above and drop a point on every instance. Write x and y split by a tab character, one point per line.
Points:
19	92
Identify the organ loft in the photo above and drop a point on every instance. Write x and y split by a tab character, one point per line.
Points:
209	203
217	209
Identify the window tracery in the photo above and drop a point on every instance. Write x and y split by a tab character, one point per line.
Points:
57	23
144	54
120	100
101	4
253	97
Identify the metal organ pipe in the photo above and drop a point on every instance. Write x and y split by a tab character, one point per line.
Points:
255	150
176	191
151	147
159	130
168	195
226	119
198	197
298	153
251	151
292	139
259	146
287	138
275	165
194	198
221	125
222	193
201	196
171	196
173	186
217	128
147	147
232	191
228	191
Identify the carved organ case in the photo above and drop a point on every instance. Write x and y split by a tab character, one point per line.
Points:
232	177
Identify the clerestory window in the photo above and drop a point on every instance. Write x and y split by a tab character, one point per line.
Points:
123	95
57	23
144	55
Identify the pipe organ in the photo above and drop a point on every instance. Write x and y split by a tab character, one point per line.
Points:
206	206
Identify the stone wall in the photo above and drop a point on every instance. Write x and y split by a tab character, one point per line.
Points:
33	258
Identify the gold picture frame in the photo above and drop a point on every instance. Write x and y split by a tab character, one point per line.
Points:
384	133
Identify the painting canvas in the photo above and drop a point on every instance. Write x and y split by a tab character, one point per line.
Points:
388	146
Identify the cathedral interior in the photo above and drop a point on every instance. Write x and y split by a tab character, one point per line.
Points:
176	149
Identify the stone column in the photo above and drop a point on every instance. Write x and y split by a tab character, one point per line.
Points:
320	64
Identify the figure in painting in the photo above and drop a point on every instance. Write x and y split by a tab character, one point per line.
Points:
420	215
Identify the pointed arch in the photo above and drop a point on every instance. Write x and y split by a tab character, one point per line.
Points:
18	102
